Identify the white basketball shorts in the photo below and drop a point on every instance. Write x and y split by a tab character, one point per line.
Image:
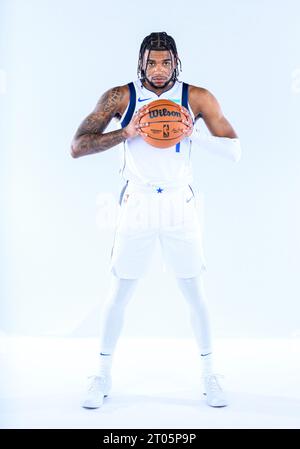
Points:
151	213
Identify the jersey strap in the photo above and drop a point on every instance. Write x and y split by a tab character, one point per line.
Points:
131	106
184	99
184	102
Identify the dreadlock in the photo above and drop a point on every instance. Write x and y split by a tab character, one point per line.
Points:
158	41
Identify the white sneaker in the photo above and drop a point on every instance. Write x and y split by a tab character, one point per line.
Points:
215	396
98	389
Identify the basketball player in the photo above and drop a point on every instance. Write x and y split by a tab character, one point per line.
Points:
158	183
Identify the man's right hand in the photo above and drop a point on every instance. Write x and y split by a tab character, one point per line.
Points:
134	128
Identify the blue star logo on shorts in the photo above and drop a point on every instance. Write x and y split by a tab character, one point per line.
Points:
159	190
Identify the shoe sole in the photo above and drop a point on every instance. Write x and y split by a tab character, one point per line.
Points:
94	406
216	406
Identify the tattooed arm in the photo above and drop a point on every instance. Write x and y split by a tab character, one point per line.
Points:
89	138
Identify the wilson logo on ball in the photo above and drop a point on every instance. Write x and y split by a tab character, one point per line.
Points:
163	113
163	122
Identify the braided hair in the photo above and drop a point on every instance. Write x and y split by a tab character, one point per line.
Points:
158	41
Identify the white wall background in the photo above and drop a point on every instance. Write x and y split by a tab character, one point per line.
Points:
57	58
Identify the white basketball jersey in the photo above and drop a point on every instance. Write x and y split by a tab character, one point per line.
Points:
143	163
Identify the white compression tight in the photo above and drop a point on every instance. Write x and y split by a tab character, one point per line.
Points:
193	291
121	291
113	316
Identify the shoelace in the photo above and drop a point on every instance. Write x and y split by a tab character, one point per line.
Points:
95	382
213	382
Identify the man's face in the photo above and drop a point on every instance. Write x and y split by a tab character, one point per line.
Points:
159	67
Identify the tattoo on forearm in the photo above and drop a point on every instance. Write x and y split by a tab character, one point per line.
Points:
93	143
89	134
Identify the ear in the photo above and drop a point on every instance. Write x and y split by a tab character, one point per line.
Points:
175	57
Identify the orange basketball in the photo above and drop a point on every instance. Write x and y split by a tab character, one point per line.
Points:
165	127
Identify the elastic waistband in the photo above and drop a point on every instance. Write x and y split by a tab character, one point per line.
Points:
155	188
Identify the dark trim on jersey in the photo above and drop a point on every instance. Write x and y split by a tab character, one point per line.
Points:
131	106
184	102
120	202
122	192
194	197
184	98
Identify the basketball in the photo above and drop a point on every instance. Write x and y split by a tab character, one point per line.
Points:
165	127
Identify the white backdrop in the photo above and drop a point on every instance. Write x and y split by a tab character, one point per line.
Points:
57	58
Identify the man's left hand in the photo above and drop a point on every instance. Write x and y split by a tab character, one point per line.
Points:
188	121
